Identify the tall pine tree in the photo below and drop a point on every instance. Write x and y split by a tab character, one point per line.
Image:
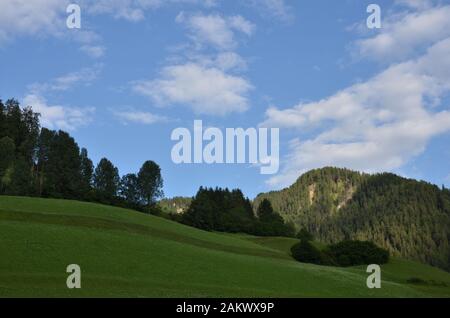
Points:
106	180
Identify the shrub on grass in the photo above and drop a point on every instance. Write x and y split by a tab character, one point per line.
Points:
305	252
352	253
346	253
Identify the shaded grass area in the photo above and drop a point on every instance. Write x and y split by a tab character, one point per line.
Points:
281	244
127	254
103	224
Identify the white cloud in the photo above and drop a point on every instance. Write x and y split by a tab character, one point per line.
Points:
139	117
205	90
57	116
416	4
238	23
403	34
225	61
215	30
131	10
95	51
200	81
41	18
273	8
88	41
25	17
135	10
230	61
68	81
372	126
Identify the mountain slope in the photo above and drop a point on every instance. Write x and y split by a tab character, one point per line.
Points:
124	253
176	205
409	218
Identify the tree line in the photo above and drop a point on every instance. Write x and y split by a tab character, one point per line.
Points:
40	162
229	211
36	161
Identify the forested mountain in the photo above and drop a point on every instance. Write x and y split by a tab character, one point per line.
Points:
409	218
176	205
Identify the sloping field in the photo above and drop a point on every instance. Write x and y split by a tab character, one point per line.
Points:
123	253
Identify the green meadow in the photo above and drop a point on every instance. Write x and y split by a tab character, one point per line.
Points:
123	253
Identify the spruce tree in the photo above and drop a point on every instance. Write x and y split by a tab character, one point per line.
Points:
150	182
106	180
87	172
129	189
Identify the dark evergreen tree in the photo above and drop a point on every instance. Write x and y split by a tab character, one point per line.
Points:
87	172
13	120
129	189
22	128
3	131
150	183
44	157
59	166
106	180
271	223
266	213
7	155
28	134
201	211
21	181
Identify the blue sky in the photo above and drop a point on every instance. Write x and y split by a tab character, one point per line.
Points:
340	93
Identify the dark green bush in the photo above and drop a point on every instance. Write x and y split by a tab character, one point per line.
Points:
305	252
351	253
346	253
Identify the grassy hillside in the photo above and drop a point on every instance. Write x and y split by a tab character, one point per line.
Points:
125	253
